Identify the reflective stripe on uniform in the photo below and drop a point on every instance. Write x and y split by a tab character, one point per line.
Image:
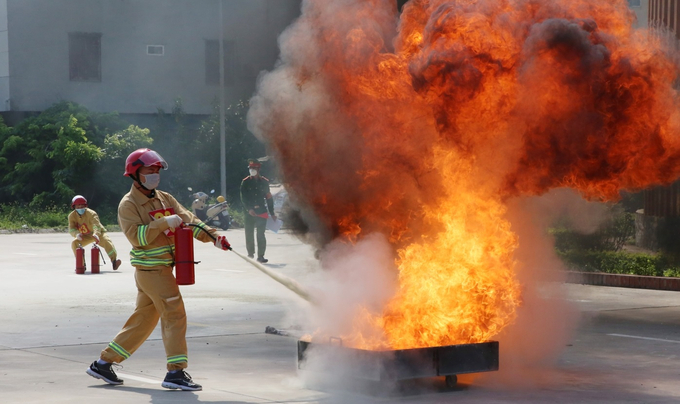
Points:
119	349
147	258
150	263
198	227
142	230
152	252
178	359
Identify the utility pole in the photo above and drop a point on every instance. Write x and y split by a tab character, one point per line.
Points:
223	140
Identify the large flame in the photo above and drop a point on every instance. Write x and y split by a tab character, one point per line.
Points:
420	126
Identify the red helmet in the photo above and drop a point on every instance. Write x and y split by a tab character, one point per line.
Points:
78	200
143	158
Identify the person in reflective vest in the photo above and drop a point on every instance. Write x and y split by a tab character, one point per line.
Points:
147	217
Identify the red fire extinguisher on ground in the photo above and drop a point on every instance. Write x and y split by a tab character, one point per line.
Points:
184	256
80	260
94	259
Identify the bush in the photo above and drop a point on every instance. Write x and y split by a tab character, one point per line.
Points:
667	238
619	263
672	273
192	150
15	216
237	217
66	150
612	235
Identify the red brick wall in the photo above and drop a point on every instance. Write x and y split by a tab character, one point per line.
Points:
624	281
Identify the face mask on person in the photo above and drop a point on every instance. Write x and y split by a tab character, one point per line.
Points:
151	181
253	172
80	211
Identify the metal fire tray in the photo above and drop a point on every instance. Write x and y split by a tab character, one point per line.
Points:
400	364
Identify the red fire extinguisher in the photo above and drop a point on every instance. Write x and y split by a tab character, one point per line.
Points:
94	259
184	256
80	260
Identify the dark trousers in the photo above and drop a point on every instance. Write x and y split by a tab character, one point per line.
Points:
252	222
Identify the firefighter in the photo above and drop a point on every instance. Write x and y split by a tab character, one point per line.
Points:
85	227
148	217
259	205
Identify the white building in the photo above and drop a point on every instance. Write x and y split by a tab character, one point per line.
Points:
641	9
135	56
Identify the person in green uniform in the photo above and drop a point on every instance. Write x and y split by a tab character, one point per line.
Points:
259	205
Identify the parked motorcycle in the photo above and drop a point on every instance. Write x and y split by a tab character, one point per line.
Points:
216	215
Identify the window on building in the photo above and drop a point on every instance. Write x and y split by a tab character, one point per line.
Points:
155	50
85	56
634	3
212	62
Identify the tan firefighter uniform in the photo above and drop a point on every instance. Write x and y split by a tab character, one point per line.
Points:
158	295
89	225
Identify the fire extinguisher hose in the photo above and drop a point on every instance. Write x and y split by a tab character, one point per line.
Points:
290	283
101	254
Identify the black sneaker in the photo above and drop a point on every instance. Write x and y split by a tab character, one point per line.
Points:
116	264
103	372
251	256
262	259
180	380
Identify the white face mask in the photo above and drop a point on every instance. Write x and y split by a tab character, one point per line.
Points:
151	181
253	172
80	211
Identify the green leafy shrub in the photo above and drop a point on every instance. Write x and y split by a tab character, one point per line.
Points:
672	272
15	216
667	238
612	235
237	217
192	150
63	151
619	263
66	150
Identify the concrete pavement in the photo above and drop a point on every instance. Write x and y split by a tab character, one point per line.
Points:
54	323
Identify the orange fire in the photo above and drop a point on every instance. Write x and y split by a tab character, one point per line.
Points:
421	126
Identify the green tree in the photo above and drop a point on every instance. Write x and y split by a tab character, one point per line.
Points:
66	150
179	142
108	174
240	146
192	149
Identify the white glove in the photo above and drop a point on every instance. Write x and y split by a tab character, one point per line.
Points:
173	221
96	239
79	236
222	243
